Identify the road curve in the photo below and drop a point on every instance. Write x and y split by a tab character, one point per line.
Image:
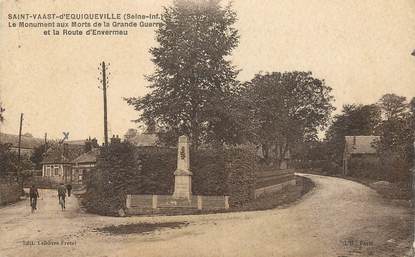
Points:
330	221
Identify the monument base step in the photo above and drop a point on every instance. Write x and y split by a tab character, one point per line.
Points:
176	207
177	210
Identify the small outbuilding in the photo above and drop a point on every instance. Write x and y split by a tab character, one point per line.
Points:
84	164
359	147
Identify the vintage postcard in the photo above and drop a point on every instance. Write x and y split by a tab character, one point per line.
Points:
207	128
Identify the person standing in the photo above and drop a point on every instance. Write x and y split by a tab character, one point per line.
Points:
62	195
69	188
33	195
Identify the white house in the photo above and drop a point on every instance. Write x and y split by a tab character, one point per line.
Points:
57	164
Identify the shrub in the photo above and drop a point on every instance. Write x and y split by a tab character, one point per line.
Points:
40	182
395	168
229	171
125	169
208	168
240	166
155	171
101	197
390	168
331	168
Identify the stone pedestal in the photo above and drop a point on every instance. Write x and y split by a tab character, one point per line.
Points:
182	175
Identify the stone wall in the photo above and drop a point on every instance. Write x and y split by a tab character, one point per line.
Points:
273	181
9	190
274	188
145	204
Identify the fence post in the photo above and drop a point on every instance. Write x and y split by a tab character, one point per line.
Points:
154	201
226	202
128	202
199	202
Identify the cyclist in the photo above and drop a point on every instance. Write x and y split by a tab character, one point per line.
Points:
33	195
62	195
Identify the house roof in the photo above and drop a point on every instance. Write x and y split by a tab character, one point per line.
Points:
57	154
361	144
28	142
75	142
88	157
143	139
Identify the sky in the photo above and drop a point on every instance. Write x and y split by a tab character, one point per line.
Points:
361	48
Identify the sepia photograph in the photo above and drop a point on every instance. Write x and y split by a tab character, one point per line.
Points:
207	128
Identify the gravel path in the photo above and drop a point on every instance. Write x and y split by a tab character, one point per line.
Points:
337	218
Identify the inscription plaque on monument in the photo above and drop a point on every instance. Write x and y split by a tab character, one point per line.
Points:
183	175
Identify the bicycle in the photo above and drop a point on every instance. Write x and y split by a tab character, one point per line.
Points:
62	202
33	202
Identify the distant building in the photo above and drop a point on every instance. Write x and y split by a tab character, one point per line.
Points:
76	142
68	161
144	139
83	164
57	163
363	147
28	142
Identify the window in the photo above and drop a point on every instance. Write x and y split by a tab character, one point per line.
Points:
56	170
48	172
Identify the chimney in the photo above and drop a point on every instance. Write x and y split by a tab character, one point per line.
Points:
88	145
115	139
94	143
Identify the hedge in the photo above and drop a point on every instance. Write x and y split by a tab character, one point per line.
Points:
391	168
41	182
240	166
208	168
125	169
229	171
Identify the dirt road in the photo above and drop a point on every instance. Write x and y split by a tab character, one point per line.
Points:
337	218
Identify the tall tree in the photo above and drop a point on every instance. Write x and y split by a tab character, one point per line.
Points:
286	108
130	133
2	110
397	134
37	156
412	106
8	160
393	106
194	79
9	163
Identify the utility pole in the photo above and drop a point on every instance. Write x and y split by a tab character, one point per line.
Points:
20	137
19	177
104	82
46	143
413	178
